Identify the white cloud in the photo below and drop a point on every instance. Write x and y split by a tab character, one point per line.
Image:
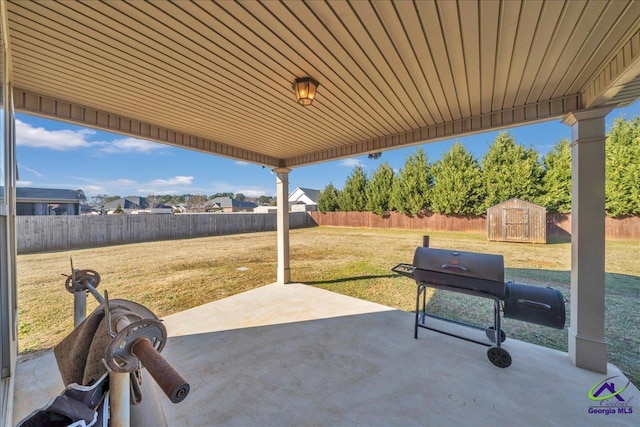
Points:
128	145
242	163
226	187
60	140
126	187
179	184
64	140
351	162
253	191
176	180
176	185
124	182
93	190
24	183
119	187
149	191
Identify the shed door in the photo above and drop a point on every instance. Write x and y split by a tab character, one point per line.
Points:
515	225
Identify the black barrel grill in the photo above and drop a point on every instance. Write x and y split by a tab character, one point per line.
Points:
480	275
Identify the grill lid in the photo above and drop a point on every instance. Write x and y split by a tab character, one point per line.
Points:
465	264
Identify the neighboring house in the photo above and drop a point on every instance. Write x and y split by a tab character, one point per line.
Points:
179	208
227	204
88	210
304	199
163	209
266	209
128	204
48	201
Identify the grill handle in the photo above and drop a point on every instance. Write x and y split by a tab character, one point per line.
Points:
454	267
534	304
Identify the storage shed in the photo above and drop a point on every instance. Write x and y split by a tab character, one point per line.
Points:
517	221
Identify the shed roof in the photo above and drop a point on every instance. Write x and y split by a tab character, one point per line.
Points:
519	202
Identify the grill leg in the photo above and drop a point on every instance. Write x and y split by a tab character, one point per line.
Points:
420	292
496	316
497	355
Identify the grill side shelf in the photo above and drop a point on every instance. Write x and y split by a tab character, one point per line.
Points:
407	270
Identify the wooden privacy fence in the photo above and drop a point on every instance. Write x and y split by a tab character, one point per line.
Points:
558	225
430	222
45	233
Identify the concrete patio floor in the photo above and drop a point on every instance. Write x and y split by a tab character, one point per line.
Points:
295	355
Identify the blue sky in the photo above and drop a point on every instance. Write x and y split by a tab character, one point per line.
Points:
105	163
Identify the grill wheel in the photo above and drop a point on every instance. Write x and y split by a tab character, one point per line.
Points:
499	357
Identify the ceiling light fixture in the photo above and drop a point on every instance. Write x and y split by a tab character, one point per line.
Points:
305	90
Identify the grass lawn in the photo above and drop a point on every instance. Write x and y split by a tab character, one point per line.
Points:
172	276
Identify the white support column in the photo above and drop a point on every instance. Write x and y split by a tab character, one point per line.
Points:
8	254
282	194
587	347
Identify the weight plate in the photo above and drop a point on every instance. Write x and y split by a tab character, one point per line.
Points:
119	356
138	309
91	276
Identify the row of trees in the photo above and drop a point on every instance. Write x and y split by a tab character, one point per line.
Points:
459	184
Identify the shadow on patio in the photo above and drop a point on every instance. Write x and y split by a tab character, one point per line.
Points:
295	355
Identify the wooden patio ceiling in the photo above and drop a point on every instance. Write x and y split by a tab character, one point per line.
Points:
216	76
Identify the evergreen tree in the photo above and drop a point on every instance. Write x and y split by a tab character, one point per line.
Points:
379	189
353	197
458	187
328	199
410	194
509	170
556	180
622	187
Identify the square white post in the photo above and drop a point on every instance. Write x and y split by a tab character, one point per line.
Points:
587	347
8	253
282	194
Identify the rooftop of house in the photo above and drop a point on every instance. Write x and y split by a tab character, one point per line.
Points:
309	192
49	195
129	202
228	202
